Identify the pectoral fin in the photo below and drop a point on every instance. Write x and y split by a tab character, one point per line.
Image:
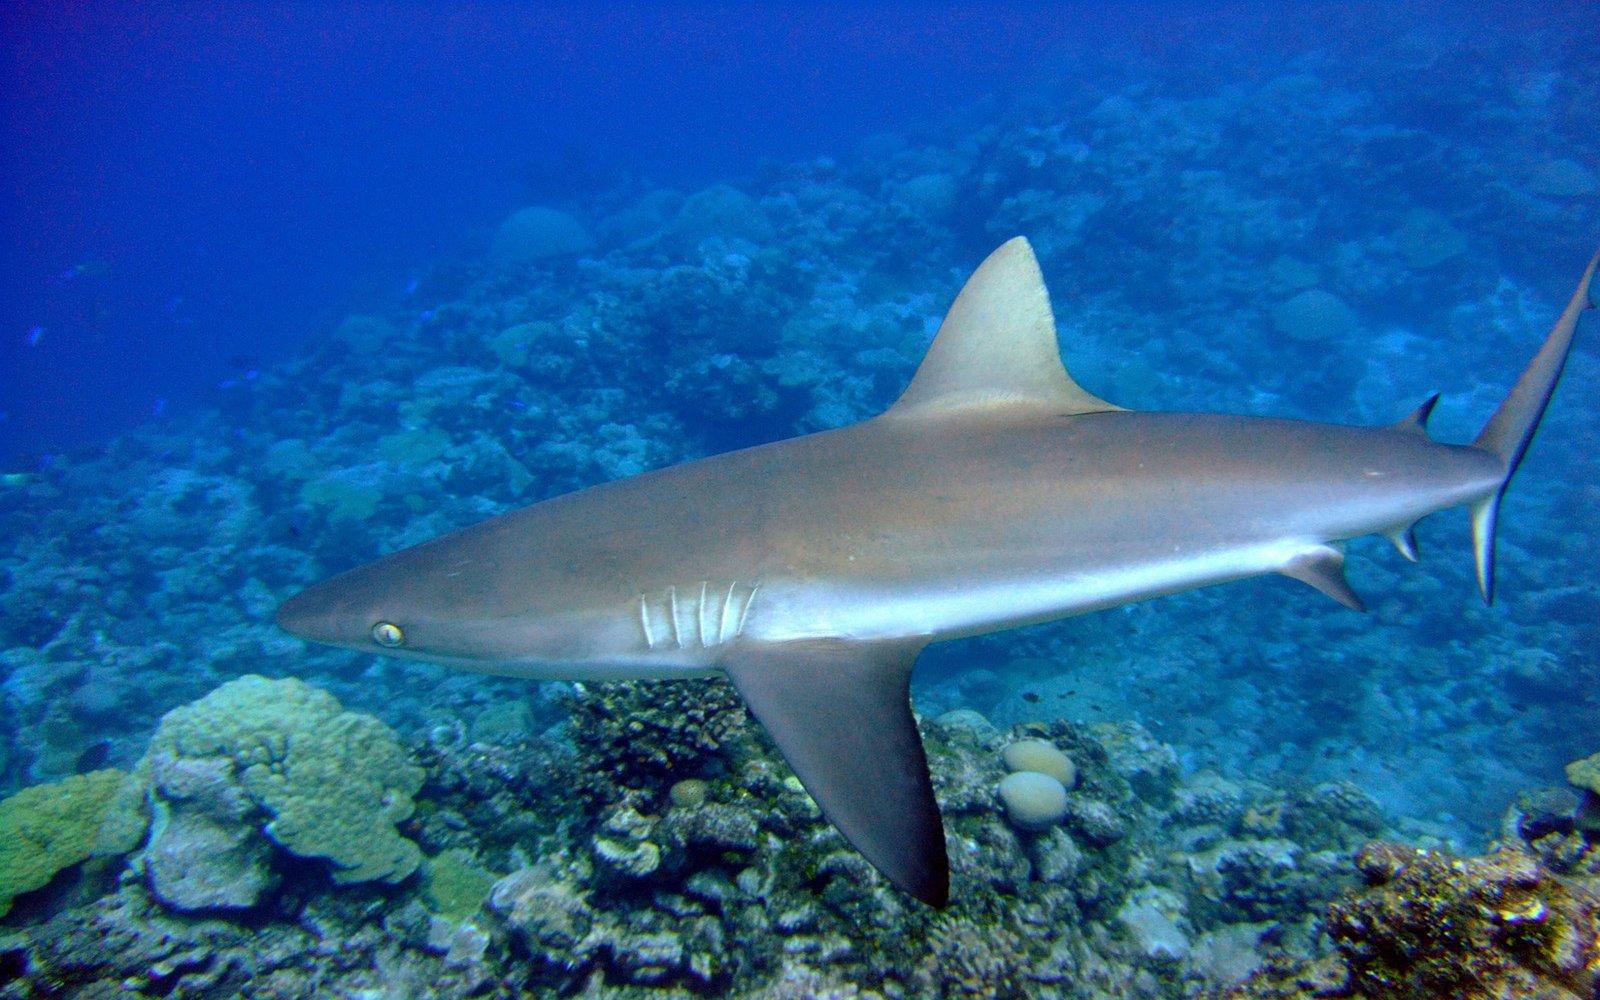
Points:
840	712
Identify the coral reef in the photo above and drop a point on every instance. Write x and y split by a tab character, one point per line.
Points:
732	883
278	758
636	740
1518	922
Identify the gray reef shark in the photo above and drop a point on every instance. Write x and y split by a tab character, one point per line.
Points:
996	492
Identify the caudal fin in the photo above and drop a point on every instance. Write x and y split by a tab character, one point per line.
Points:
1509	431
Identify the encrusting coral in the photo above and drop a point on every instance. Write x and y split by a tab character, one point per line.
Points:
1584	775
47	828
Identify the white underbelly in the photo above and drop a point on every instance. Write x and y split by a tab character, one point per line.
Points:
951	607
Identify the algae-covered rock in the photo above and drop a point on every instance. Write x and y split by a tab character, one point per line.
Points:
454	885
1151	919
1427	239
721	210
535	233
514	344
1562	178
1584	775
1315	316
417	446
1429	924
282	758
48	828
351	494
546	913
1489	926
365	334
929	196
647	736
206	852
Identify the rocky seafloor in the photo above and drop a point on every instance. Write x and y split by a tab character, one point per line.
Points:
1265	784
273	844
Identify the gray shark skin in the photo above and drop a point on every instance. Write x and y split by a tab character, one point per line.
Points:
996	492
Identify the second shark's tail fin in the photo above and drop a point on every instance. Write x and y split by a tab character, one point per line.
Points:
1508	432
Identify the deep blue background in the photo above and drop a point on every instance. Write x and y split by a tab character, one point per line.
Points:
191	189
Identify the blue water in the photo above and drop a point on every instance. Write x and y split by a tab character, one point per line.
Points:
254	329
190	192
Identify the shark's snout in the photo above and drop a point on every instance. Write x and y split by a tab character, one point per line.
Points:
310	615
297	615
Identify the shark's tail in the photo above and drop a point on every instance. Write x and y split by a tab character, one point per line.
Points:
1508	432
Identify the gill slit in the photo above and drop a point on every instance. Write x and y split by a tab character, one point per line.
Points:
700	614
722	619
644	623
744	612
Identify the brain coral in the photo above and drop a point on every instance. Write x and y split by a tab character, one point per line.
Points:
334	783
1033	801
47	828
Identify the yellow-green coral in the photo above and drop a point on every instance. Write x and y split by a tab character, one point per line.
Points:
1585	773
335	783
47	828
453	886
415	447
512	345
348	494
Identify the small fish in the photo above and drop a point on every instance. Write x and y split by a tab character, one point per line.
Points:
158	407
35	334
411	287
94	758
88	269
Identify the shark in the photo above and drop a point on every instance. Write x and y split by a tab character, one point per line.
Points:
995	492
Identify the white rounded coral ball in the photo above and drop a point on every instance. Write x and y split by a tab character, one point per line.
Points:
1041	756
1033	801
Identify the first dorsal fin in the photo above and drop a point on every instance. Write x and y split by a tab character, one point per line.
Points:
996	348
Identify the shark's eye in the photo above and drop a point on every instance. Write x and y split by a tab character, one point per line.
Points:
388	635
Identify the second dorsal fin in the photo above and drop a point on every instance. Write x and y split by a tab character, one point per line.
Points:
1417	422
996	348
